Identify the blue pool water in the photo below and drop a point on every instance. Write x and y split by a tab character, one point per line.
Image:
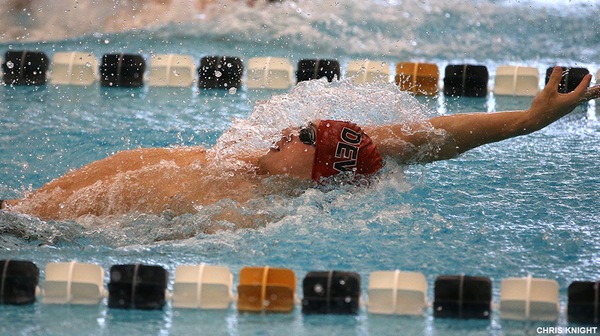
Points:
525	206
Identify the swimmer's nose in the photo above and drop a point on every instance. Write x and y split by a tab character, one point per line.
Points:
284	139
287	135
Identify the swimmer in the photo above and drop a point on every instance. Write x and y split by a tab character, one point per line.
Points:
183	179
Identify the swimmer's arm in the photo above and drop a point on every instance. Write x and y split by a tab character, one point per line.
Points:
445	137
472	130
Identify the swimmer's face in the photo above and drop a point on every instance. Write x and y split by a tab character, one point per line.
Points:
289	156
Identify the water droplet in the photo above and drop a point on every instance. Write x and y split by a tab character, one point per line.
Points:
318	289
218	74
88	65
10	65
232	90
106	41
342	282
348	299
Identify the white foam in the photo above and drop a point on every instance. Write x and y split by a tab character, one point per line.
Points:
374	104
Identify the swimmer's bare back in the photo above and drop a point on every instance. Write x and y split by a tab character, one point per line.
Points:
148	180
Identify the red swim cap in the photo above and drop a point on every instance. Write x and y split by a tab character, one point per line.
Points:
343	146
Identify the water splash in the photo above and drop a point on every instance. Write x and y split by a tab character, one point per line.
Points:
372	104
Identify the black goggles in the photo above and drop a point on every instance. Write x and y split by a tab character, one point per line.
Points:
307	135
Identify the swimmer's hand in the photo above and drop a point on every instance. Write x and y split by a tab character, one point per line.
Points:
550	105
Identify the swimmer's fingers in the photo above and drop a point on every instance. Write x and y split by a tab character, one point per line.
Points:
554	79
581	93
581	90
